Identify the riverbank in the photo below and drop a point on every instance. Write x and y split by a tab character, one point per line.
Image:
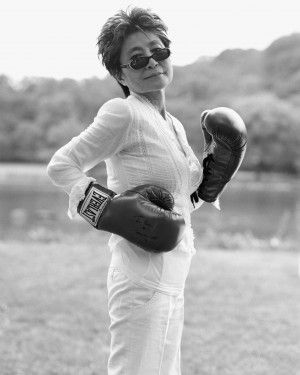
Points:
258	212
15	170
25	174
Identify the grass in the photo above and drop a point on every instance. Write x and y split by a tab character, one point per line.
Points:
242	310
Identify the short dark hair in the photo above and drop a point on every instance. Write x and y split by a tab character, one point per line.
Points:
118	28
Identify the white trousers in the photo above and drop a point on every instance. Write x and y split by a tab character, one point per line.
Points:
146	328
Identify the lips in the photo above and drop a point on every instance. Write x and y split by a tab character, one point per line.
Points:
155	75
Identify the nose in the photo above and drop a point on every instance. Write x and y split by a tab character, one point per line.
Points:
152	63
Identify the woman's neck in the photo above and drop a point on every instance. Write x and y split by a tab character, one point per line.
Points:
158	100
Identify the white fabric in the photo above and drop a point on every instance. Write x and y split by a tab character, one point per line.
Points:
139	146
77	194
216	204
146	328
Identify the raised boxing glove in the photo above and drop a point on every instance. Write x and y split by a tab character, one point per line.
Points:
225	138
142	215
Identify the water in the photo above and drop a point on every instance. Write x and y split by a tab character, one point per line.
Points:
266	208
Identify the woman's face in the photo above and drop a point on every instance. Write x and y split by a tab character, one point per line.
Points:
153	77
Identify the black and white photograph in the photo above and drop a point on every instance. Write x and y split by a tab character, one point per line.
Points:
149	187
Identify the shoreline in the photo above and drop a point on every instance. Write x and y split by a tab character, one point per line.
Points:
24	173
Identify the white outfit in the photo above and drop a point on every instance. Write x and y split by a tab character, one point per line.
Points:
146	328
138	147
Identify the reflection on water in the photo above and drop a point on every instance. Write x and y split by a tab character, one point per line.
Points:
263	209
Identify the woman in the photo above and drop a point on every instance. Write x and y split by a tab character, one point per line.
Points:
141	143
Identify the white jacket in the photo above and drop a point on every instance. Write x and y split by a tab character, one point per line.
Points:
139	146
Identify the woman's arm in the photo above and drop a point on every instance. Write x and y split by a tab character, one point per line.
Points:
103	138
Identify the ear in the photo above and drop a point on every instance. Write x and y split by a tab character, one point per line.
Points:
120	78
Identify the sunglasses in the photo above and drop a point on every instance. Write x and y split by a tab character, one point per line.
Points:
140	62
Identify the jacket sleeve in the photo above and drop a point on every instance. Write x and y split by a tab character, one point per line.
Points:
196	171
103	138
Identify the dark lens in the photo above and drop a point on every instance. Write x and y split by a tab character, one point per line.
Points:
161	54
139	62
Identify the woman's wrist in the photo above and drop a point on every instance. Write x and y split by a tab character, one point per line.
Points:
77	194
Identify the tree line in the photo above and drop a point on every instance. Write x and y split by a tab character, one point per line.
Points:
38	115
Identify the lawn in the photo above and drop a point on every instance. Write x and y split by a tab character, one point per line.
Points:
242	310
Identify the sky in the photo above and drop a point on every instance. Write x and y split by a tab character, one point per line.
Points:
57	38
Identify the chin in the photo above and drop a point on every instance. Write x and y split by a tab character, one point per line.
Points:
154	89
158	84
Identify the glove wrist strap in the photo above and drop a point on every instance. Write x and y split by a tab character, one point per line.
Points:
94	203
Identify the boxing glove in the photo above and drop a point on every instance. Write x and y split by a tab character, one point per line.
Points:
225	138
142	215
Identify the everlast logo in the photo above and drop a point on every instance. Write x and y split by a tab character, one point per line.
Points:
93	207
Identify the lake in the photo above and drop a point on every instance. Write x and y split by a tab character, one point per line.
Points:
266	206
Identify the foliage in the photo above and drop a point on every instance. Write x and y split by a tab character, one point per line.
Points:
38	115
